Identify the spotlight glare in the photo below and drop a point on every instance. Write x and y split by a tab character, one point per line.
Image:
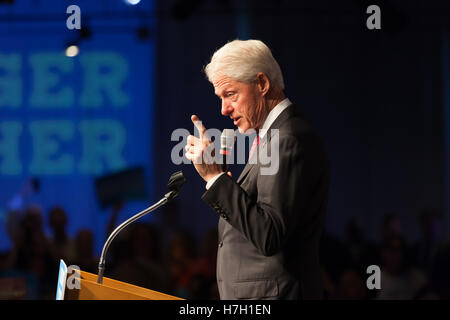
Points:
132	2
72	51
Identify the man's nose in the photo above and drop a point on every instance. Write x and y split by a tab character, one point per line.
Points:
227	109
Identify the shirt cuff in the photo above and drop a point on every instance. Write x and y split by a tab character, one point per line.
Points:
211	182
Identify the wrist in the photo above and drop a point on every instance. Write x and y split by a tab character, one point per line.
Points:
211	176
213	180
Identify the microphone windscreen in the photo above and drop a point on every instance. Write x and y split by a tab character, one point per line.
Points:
176	180
227	139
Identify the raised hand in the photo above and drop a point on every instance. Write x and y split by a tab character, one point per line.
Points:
201	152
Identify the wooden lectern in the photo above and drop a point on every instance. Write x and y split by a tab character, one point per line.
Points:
110	290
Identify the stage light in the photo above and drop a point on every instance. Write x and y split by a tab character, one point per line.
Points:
132	2
72	47
72	51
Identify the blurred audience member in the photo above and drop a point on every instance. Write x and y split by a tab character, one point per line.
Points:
146	248
13	223
351	286
201	281
62	245
180	257
25	198
84	251
30	256
399	281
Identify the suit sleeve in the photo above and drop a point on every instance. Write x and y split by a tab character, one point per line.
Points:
268	220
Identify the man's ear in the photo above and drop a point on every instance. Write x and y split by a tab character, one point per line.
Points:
263	83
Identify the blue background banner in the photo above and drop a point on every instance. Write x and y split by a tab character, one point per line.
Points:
69	120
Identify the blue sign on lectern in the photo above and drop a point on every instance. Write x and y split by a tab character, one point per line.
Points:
61	280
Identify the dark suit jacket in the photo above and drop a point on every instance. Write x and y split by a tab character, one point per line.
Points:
270	225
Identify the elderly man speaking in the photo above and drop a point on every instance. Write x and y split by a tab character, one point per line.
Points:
270	224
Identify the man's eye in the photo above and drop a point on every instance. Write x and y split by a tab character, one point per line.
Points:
230	94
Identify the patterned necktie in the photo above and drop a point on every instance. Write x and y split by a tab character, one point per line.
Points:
254	145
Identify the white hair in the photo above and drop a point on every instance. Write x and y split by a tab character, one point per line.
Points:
242	60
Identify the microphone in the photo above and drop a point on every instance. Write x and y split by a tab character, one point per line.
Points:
175	182
227	140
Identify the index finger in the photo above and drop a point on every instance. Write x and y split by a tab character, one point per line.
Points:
198	124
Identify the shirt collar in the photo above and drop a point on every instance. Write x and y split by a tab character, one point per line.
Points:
273	115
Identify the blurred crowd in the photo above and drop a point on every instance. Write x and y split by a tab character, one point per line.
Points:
409	271
164	258
160	258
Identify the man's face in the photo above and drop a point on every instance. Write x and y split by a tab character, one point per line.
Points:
242	102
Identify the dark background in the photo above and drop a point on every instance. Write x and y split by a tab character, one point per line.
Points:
377	97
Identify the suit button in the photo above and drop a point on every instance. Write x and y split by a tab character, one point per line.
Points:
220	244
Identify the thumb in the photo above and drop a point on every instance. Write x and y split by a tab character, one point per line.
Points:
229	173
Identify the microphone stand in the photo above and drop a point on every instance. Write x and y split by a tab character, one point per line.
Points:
101	265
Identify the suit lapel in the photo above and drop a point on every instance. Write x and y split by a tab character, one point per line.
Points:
244	172
288	112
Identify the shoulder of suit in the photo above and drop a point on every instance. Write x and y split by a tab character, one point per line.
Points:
295	122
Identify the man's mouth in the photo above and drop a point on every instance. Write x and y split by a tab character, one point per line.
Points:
236	120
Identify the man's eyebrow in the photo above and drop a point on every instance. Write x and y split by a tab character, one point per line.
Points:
220	92
224	90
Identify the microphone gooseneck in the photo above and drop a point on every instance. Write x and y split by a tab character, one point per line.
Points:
175	182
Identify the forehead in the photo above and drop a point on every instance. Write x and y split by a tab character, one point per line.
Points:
223	83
